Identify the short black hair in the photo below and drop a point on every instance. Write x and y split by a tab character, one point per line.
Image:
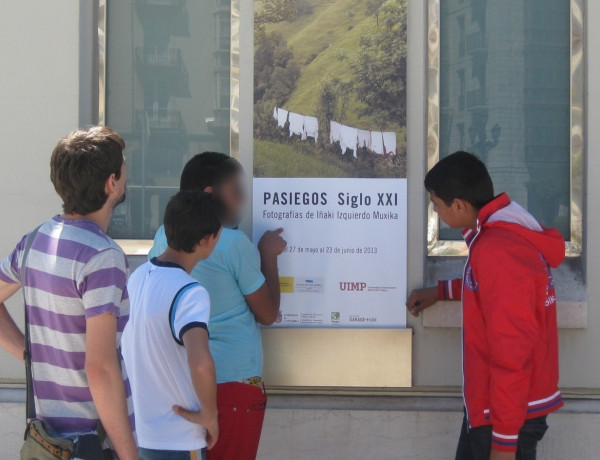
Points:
461	175
190	217
208	169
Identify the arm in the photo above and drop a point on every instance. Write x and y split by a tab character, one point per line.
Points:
202	369
11	337
420	299
106	383
160	243
508	298
265	302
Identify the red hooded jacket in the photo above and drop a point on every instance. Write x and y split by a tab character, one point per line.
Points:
510	336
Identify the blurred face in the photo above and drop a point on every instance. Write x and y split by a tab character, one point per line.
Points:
233	194
455	215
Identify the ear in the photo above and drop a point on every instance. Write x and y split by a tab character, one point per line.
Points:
461	205
208	189
110	186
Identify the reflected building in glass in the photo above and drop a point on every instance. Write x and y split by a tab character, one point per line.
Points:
504	95
167	94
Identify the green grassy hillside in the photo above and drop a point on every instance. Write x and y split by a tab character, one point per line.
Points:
272	159
324	43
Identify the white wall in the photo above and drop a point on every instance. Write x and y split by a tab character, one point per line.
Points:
39	103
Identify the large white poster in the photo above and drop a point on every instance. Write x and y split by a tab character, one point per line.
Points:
345	263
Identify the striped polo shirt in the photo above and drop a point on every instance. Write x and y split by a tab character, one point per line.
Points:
74	272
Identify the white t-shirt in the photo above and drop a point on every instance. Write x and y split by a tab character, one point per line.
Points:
165	302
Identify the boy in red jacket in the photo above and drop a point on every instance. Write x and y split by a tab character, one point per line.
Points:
510	339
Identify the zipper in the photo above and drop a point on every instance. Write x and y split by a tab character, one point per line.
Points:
462	319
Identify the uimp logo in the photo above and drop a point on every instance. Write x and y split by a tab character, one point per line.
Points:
352	286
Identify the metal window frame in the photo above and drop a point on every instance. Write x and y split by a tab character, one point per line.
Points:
142	247
574	246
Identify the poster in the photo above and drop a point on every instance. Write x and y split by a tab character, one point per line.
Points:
330	157
345	263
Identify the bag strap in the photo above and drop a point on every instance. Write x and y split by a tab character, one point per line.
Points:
30	404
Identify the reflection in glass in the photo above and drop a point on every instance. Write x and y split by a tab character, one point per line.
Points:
505	96
167	94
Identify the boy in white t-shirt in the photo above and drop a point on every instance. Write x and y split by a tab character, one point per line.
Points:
165	342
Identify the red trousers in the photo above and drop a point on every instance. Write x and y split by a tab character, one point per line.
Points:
241	414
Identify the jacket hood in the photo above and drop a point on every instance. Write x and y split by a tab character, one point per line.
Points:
502	212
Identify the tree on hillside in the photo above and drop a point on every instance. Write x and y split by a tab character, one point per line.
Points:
373	8
332	100
275	70
380	66
274	11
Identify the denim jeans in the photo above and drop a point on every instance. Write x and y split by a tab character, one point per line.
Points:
476	443
150	454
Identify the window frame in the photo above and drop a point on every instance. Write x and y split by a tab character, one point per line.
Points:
143	246
574	246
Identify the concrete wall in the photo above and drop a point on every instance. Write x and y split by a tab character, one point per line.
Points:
39	103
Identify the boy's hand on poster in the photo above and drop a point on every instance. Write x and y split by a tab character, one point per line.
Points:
420	299
271	243
210	422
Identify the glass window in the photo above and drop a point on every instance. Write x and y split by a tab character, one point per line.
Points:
167	94
505	96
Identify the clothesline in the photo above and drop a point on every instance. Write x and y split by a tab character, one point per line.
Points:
350	138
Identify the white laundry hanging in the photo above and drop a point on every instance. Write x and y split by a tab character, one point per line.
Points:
364	139
335	132
349	138
389	143
377	142
282	116
311	127
296	124
275	113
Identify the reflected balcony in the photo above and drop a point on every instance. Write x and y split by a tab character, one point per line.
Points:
476	43
476	99
162	121
157	57
177	3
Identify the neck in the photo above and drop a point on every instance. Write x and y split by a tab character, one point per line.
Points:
186	260
101	217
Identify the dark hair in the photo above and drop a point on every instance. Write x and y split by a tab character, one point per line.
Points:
208	169
190	217
80	165
461	175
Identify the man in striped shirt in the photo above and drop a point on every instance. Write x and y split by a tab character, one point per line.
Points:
75	294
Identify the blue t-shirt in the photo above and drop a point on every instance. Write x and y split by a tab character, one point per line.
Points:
230	273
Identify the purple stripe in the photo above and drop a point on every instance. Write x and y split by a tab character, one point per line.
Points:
122	322
546	406
56	392
66	359
15	256
105	277
69	425
6	279
53	284
67	249
101	309
68	324
504	443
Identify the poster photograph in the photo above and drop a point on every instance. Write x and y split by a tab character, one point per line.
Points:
330	157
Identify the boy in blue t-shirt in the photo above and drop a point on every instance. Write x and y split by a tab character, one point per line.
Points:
243	284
